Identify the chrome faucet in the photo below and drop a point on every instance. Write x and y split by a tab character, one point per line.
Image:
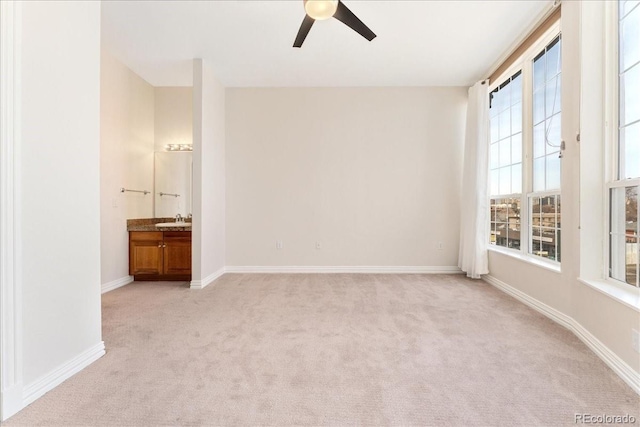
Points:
179	218
189	216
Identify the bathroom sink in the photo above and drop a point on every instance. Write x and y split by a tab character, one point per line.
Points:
174	224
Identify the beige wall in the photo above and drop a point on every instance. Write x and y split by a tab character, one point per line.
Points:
173	116
373	174
608	320
126	160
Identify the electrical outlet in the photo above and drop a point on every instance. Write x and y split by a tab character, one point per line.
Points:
635	340
318	245
279	244
439	246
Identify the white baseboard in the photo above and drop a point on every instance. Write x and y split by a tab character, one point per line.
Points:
63	372
115	284
200	284
11	401
345	269
619	366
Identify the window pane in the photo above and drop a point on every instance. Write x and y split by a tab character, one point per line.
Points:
538	106
493	125
553	126
553	60
505	227
495	181
516	90
516	148
538	174
627	5
506	148
516	178
538	141
630	150
630	101
501	211
546	139
553	100
623	244
505	93
505	124
505	180
553	172
631	261
505	152
545	227
631	211
536	240
516	118
629	46
493	156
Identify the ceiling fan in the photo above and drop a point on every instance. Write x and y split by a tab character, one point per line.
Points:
318	10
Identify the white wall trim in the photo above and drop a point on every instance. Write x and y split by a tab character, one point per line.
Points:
10	277
200	284
619	366
345	269
115	284
63	372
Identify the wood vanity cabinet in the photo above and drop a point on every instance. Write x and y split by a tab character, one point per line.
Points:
158	255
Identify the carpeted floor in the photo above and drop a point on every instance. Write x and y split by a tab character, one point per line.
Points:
331	349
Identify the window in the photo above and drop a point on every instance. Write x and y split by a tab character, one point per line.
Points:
525	194
544	224
505	115
623	190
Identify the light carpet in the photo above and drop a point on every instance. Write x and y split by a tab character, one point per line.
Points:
331	349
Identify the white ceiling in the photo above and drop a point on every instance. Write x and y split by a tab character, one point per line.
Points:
249	43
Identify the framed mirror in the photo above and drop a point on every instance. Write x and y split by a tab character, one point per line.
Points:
173	175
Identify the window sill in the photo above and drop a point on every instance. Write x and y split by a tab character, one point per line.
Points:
529	259
619	292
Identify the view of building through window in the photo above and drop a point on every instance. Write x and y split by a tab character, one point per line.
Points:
505	222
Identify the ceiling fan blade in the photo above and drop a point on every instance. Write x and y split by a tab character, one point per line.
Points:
307	22
347	17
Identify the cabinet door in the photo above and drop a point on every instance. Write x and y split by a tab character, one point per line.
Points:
177	253
145	253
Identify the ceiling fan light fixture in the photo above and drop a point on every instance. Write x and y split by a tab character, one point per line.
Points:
320	9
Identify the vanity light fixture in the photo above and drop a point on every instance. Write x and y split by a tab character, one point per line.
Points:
179	147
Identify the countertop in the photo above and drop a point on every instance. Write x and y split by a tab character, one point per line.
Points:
149	224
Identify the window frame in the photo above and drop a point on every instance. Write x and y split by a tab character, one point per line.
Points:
524	64
612	169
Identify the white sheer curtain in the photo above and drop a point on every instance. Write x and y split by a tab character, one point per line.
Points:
474	213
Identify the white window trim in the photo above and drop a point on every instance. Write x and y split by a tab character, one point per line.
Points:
525	64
